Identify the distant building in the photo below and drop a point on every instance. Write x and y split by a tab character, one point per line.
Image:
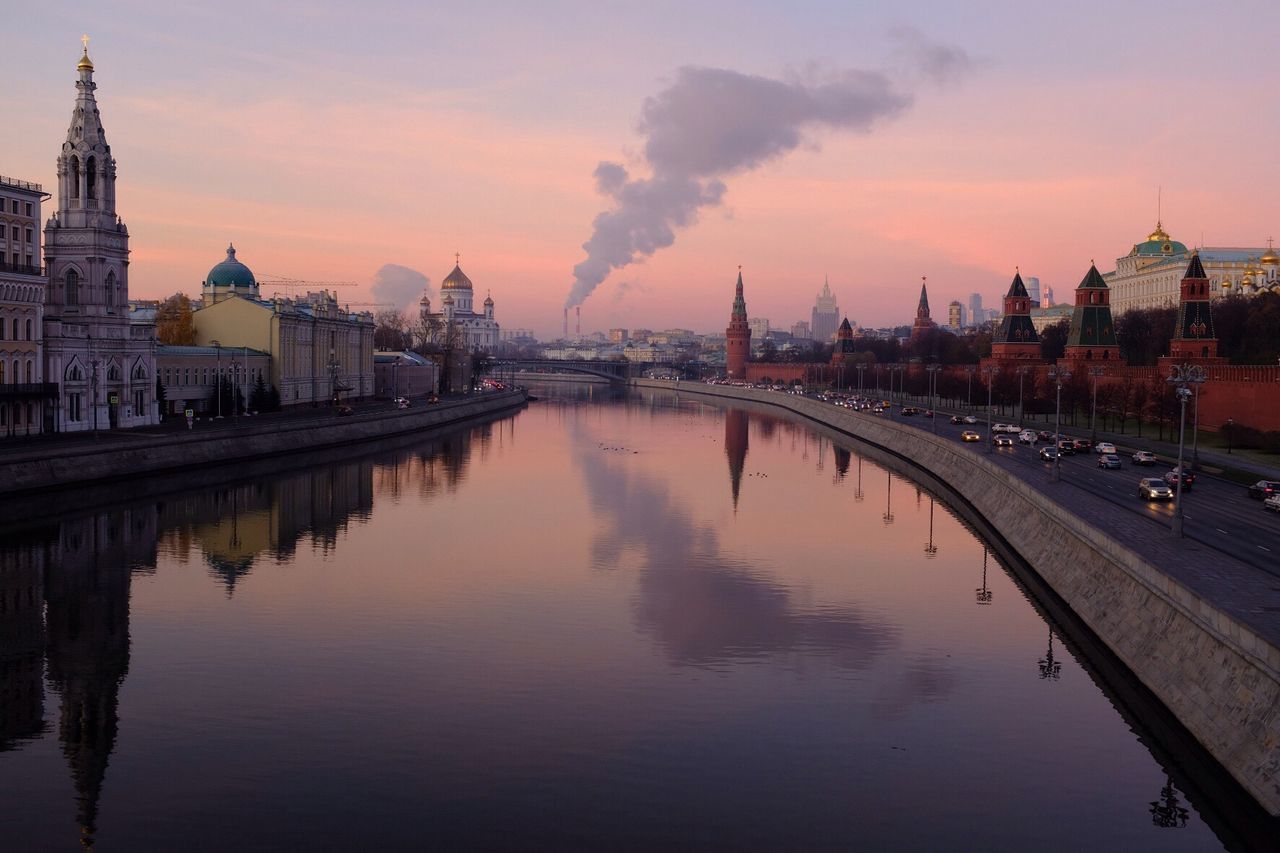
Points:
1046	300
404	374
517	336
618	336
641	335
476	330
825	318
976	314
189	375
1043	318
759	328
26	402
955	315
1033	289
801	331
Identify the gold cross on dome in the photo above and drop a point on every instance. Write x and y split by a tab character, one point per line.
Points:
457	258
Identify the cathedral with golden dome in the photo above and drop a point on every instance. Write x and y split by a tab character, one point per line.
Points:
1150	275
470	329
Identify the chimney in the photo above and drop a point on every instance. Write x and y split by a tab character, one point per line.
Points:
577	330
566	324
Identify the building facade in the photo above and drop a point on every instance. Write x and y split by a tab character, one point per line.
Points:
737	336
189	376
457	323
103	362
319	352
955	315
825	318
26	400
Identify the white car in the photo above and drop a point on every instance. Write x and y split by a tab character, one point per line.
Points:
1004	428
1272	503
970	419
1027	436
1104	447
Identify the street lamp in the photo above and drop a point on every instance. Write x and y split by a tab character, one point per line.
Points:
933	393
969	369
1094	372
1195	431
860	368
1022	372
989	373
217	382
333	376
1058	375
1231	423
1183	375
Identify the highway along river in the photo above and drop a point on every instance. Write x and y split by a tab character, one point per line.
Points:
604	622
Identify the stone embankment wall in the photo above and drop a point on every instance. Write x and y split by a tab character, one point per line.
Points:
167	453
1213	672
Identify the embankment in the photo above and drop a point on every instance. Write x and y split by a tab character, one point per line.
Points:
1195	650
49	466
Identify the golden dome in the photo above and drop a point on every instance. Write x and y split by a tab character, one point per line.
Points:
84	64
1158	235
1270	257
1247	281
456	280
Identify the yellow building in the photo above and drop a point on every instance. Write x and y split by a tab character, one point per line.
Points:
318	350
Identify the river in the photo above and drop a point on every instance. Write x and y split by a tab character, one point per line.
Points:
603	622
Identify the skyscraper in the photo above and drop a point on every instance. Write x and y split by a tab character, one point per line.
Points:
976	314
826	314
955	315
1033	289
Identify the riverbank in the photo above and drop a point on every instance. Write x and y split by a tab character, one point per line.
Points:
122	455
1192	624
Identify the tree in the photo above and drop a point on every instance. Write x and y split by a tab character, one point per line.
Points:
174	322
259	396
1053	340
232	398
391	330
1144	333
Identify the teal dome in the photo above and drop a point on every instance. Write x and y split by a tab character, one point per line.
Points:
1159	243
231	273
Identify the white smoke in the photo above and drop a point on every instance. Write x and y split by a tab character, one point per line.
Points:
400	286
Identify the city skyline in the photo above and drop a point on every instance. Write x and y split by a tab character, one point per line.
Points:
272	134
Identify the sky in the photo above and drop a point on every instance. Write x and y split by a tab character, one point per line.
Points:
675	141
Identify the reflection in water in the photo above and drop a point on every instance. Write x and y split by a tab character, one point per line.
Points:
735	447
22	642
1167	812
983	594
1050	668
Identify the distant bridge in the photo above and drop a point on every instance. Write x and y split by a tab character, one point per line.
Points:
614	371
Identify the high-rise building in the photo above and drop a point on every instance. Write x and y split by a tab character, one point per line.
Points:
737	338
1033	290
26	402
955	315
975	308
826	314
104	363
759	328
801	331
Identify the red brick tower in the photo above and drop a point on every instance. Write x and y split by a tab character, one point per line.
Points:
737	338
1194	338
923	322
1092	336
1016	339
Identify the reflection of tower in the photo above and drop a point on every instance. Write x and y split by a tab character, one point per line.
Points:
930	549
735	447
87	599
888	499
985	595
843	458
1050	668
21	642
1167	812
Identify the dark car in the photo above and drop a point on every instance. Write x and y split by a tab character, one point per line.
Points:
1067	447
345	410
1083	443
1264	489
956	419
1048	454
1108	460
1044	435
1188	479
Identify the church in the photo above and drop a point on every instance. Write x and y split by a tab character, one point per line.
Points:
457	322
103	362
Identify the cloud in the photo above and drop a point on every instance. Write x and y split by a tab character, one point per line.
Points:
711	123
400	286
923	58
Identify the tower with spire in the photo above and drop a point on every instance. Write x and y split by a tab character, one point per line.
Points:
1016	339
923	322
104	363
826	314
1092	336
737	338
1194	338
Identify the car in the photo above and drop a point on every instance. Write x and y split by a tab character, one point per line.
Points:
343	411
878	410
1104	447
1264	489
1144	457
1049	454
1272	503
1002	440
1154	489
1083	443
1004	428
402	402
1188	479
928	413
970	419
1108	460
1027	437
970	435
956	419
1066	447
433	399
1044	435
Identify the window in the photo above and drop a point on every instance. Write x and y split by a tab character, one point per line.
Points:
28	235
91	177
111	289
139	402
14	204
73	407
1	372
1	330
73	287
30	326
28	208
15	329
113	373
75	374
31	374
73	174
14	231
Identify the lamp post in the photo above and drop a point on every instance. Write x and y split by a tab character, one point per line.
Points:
1231	423
860	368
217	381
333	376
1183	376
1022	373
969	369
1195	431
235	385
1094	373
93	381
933	393
989	373
1058	375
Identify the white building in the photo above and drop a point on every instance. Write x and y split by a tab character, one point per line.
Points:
476	331
26	401
104	363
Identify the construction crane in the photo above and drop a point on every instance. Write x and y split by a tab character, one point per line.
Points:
349	305
291	285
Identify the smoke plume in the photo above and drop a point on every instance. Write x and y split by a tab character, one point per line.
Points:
711	123
400	286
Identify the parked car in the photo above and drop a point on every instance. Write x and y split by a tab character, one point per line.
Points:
970	435
343	411
1027	437
1002	440
1272	503
1108	460
1104	447
1049	454
1154	489
402	402
1264	489
1188	479
1144	457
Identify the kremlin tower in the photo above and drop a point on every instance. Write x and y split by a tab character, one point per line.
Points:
1092	336
923	322
737	338
1194	339
1016	339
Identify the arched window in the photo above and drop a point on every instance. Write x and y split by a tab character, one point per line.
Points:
139	372
113	373
73	287
1	372
1	328
30	335
75	374
111	289
73	173
15	329
91	177
31	374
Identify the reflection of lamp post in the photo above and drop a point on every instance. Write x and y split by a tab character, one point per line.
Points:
1050	668
1183	375
933	393
930	550
858	494
1094	372
983	594
888	500
1167	812
1058	375
217	382
989	373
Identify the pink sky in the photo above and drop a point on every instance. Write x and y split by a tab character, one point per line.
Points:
325	147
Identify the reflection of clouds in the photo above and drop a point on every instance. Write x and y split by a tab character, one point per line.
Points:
700	606
922	680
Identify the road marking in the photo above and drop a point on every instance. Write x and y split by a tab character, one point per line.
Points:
1264	547
1220	530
